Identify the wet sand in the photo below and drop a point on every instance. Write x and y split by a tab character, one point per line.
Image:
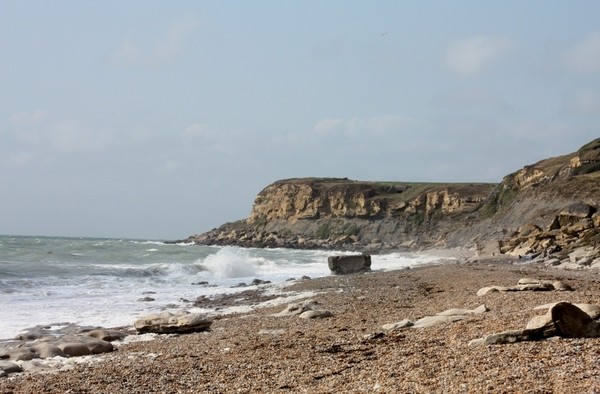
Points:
349	352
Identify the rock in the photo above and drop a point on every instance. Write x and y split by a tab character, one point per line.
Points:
107	335
9	367
569	266
146	299
456	311
299	309
447	316
539	321
552	262
431	321
563	319
592	310
572	322
528	281
307	310
490	289
48	350
526	284
574	213
561	286
257	282
343	265
83	346
581	253
315	313
168	323
398	325
533	287
512	337
21	354
75	349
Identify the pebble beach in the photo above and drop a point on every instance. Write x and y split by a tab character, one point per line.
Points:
350	351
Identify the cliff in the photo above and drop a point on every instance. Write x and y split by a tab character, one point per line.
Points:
528	212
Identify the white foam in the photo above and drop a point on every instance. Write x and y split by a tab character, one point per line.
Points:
107	295
231	263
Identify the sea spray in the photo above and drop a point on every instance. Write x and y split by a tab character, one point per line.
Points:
232	263
45	280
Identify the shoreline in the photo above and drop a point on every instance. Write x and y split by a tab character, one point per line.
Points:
218	301
350	351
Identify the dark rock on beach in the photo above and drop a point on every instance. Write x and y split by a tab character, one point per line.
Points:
344	265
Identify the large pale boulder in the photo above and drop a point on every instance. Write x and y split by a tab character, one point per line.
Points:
171	323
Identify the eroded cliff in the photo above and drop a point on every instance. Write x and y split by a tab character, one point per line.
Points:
531	211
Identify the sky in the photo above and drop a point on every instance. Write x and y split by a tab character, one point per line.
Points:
158	120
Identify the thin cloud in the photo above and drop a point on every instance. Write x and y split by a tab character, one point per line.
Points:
472	55
40	129
71	136
197	130
175	39
363	126
585	56
17	161
165	49
583	102
32	117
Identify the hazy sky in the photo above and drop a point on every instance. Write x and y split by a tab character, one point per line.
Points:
160	119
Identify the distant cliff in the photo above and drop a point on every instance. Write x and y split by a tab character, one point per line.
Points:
369	216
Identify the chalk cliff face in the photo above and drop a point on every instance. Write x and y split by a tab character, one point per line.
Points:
342	213
295	199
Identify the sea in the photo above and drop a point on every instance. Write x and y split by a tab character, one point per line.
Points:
103	282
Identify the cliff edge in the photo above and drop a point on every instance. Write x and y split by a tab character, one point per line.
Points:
547	207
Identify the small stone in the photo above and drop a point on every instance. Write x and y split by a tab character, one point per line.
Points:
316	313
456	311
561	286
398	325
431	321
